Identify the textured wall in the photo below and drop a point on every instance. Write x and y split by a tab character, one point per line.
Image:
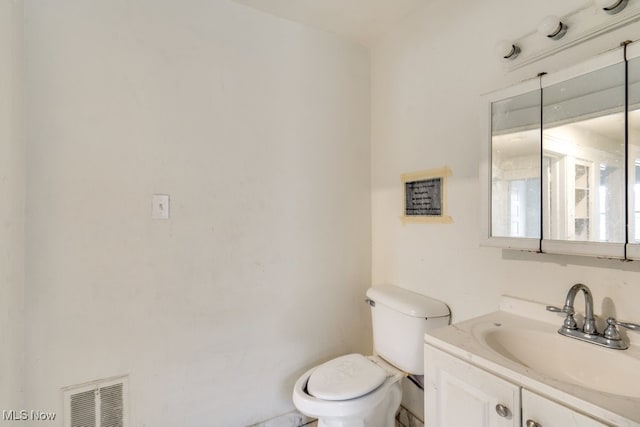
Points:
258	129
12	203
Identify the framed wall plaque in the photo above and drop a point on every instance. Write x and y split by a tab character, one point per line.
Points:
425	196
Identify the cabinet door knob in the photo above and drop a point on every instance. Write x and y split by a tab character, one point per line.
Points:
531	423
502	410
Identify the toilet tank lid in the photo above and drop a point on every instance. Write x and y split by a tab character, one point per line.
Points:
408	302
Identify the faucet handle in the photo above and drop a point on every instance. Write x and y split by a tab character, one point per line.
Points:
611	326
569	321
557	309
628	325
567	309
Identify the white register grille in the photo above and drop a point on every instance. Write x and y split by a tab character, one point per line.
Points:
101	403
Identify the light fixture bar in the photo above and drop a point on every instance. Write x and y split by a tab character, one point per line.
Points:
596	18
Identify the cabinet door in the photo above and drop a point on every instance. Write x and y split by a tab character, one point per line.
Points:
510	166
546	413
583	168
458	394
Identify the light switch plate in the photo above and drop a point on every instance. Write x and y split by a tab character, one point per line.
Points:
160	206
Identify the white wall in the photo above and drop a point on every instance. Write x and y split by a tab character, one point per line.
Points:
12	193
427	79
258	129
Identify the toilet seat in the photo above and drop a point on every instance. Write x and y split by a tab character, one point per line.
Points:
346	377
353	408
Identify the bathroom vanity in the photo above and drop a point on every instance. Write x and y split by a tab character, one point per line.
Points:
512	368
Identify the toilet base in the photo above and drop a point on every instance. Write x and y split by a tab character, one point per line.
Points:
383	415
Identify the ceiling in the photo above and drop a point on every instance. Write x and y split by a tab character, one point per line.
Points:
362	21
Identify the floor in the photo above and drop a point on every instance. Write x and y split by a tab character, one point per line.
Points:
315	424
403	419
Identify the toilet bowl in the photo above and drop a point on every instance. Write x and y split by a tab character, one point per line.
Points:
358	397
365	391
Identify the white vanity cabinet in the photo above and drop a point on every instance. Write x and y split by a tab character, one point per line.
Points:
460	394
541	412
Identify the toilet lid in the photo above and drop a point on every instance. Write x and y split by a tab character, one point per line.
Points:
345	377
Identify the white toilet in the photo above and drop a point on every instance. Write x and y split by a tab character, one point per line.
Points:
356	390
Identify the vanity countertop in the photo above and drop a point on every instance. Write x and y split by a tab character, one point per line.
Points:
462	340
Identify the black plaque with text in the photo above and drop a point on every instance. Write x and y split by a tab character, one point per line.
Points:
424	197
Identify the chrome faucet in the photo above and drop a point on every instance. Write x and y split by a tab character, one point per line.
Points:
589	326
610	338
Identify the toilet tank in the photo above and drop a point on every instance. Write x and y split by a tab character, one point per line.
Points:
400	319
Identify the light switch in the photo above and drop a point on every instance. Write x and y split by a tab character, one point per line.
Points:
160	206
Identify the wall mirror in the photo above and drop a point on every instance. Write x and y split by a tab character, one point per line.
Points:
560	174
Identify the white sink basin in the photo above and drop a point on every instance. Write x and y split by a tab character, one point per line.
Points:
565	359
521	344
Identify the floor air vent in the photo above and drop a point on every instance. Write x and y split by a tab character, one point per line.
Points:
101	403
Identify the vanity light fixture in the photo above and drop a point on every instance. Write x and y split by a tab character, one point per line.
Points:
594	18
552	27
507	49
612	6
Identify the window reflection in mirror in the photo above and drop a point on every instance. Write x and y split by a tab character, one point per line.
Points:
583	160
515	166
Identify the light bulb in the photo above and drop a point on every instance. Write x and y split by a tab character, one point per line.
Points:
612	6
552	27
507	49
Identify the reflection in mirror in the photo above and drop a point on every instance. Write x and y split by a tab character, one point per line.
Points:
515	166
583	162
634	150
